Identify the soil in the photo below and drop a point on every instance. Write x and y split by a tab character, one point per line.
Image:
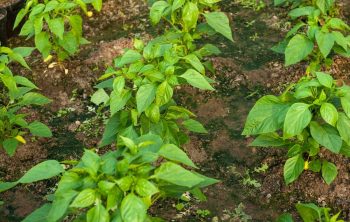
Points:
245	71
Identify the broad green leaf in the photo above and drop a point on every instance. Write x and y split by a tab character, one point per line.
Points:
100	96
84	199
10	146
119	100
60	205
34	99
92	161
329	113
190	14
325	42
286	217
298	48
195	62
298	117
39	215
267	116
301	11
175	174
340	39
43	44
329	172
343	126
119	84
42	171
145	188
325	79
133	209
220	23
327	136
194	126
39	129
145	97
25	82
157	11
269	140
164	93
293	168
196	79
97	213
309	212
57	26
174	153
345	102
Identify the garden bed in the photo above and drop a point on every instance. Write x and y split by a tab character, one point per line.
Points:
245	71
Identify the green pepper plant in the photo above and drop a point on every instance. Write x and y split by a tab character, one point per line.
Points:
317	34
139	88
56	25
121	185
145	124
309	115
16	92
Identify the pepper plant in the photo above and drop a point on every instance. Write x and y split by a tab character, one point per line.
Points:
311	213
56	25
121	185
311	114
16	92
139	89
317	34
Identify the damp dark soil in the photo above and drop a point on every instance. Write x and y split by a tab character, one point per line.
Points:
246	70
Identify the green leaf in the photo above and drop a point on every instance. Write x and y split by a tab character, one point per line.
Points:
133	209
57	26
325	42
39	129
130	56
196	79
343	126
301	11
34	99
97	213
329	113
43	44
340	39
286	217
92	161
267	116
293	168
119	100
329	172
84	199
190	14
325	79
10	146
119	84
298	48
327	136
298	117
195	62
164	93
157	11
60	205
145	97
220	23
315	165
100	96
309	212
174	153
42	171
268	140
24	82
194	126
175	174
345	102
39	215
145	188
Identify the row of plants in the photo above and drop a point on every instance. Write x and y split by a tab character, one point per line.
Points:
313	113
146	125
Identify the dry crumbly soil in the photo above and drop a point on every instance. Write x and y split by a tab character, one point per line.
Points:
246	70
